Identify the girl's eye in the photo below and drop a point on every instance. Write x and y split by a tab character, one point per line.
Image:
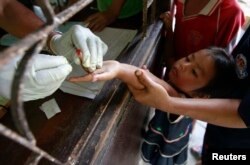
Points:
194	73
187	59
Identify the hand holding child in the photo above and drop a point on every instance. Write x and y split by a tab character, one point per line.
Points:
154	94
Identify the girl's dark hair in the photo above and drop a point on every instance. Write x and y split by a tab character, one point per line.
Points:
222	82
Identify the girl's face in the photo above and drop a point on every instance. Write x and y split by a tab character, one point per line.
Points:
192	72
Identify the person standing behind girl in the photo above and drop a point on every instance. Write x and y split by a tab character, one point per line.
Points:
202	23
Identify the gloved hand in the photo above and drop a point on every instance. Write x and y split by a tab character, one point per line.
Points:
77	37
44	76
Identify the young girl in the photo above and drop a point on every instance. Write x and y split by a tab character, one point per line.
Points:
201	74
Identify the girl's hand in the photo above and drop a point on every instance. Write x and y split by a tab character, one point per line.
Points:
109	71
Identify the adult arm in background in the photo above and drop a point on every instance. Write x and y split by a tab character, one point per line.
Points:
100	20
19	21
221	112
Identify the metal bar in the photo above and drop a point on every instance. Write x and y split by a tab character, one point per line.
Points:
144	18
33	159
24	142
153	11
17	104
17	111
47	11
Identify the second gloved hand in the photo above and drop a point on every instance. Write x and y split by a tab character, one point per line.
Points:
77	37
43	77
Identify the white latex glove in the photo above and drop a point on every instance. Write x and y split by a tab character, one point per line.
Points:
44	76
77	37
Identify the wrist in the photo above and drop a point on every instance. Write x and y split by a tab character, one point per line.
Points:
169	105
120	71
50	38
126	73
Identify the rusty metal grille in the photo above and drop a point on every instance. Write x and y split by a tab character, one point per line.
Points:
33	44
